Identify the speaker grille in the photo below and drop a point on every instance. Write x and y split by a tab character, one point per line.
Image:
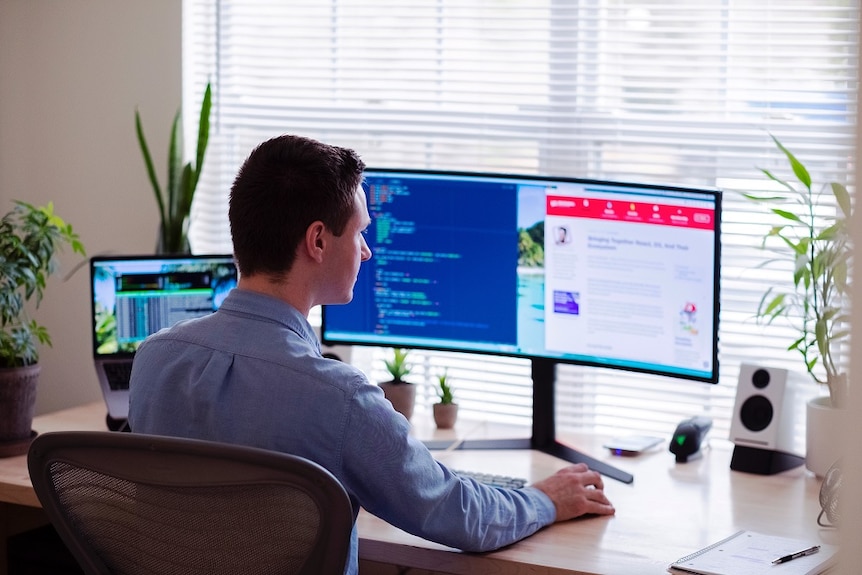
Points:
760	378
756	413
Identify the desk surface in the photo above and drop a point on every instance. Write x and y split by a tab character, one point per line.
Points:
669	511
15	486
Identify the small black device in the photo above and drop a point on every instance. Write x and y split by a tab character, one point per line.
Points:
688	437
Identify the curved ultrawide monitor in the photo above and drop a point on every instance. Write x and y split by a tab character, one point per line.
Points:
610	274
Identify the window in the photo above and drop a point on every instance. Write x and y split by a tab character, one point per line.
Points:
666	91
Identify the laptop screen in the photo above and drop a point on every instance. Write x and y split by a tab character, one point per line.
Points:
135	296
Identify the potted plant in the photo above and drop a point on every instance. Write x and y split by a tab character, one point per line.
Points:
29	239
814	238
446	410
175	201
399	392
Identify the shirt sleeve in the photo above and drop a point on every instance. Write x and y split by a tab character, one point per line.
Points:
396	478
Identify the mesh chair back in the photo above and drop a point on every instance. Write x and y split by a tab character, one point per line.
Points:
133	504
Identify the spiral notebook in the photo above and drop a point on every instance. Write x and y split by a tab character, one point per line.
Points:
752	553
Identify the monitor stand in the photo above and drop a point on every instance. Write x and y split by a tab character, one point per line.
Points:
544	374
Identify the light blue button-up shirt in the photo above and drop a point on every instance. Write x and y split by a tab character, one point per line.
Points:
252	374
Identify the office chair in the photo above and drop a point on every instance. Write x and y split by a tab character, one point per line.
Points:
128	504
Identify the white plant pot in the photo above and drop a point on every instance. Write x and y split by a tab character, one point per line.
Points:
824	430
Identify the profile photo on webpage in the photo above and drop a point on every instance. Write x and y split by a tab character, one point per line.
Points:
562	235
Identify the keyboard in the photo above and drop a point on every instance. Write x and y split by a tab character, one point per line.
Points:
493	479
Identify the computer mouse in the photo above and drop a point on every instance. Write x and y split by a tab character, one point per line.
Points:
688	438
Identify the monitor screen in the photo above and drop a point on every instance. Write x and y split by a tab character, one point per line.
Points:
598	273
135	296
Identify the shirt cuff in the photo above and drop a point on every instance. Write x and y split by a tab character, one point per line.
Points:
546	512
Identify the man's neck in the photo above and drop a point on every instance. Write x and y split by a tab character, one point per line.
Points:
281	289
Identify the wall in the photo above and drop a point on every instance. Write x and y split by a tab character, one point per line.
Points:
71	74
851	499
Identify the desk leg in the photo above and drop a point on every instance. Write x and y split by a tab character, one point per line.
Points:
15	519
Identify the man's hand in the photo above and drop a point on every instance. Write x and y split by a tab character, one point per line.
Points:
576	491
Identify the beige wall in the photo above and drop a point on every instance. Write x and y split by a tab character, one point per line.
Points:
71	74
851	499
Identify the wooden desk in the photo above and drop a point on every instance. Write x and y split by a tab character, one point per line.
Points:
669	511
15	486
19	507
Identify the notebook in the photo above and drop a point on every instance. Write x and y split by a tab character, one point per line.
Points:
752	553
135	296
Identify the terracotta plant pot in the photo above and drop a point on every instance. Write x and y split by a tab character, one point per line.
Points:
402	396
445	415
17	408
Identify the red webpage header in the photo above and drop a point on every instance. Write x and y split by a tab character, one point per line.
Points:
628	211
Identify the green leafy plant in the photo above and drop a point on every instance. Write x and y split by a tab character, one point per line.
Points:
175	201
397	366
29	238
814	237
445	391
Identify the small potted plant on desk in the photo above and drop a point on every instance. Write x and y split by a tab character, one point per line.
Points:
814	238
29	238
400	393
446	410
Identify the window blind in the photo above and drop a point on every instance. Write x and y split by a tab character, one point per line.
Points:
666	91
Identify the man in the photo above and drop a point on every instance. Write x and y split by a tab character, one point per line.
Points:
252	373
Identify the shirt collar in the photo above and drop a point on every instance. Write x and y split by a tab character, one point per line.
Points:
269	308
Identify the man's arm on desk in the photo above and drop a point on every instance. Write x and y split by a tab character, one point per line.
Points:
576	490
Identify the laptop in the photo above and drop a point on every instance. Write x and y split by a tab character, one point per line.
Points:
135	296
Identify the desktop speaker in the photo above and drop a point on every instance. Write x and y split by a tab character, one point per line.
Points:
339	352
763	421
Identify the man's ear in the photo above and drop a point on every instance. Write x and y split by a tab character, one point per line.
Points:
315	241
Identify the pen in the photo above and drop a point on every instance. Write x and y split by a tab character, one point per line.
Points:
797	555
